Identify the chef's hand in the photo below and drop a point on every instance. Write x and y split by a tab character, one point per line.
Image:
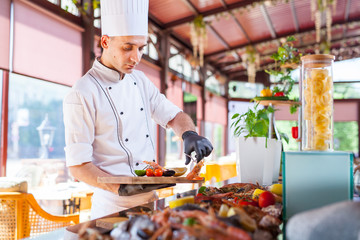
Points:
199	144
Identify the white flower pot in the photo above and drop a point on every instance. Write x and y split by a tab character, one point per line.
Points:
257	163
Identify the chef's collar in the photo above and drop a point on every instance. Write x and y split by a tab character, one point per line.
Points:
107	73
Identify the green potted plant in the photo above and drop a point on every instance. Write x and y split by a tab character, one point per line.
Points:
287	59
258	156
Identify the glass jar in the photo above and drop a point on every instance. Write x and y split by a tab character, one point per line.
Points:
317	102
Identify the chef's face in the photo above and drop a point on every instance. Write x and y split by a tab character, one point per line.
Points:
122	53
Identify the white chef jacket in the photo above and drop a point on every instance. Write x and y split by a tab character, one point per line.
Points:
108	122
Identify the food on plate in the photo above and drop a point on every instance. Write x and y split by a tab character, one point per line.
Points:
246	221
154	165
266	199
318	108
154	169
158	172
181	201
248	201
168	173
140	173
223	211
257	193
266	92
194	174
212	214
179	171
149	172
276	188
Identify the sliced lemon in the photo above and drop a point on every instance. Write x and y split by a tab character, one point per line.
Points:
223	211
257	193
179	171
181	201
276	188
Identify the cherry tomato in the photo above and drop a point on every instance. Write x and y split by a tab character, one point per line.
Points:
266	199
158	172
279	94
149	172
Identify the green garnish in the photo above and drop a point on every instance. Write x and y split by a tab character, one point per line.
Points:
202	189
140	173
189	222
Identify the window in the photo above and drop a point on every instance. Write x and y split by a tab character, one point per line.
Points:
176	63
218	140
70	7
97	13
151	48
346	137
173	147
244	89
30	102
213	85
285	127
346	90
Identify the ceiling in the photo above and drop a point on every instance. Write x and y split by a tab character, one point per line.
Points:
232	25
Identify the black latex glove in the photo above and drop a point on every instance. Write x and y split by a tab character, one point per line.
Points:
132	189
199	144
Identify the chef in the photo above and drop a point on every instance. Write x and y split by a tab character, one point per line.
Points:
108	112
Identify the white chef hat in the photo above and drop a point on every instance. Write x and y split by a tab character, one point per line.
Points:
124	17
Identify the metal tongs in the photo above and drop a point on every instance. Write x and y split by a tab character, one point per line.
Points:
192	158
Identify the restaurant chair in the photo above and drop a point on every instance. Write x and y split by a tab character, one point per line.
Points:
21	216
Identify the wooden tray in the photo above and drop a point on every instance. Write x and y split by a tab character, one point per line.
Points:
278	102
108	223
147	180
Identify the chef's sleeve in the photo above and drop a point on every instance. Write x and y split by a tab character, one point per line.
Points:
162	110
79	129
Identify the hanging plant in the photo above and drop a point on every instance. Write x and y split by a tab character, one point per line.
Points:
288	57
198	37
317	8
251	60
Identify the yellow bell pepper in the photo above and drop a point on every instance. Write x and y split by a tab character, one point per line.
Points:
266	92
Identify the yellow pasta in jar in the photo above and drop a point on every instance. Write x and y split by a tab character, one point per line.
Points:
317	110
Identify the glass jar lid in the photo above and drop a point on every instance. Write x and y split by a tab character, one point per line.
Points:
317	60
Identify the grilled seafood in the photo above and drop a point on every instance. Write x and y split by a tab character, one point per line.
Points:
154	165
195	172
203	220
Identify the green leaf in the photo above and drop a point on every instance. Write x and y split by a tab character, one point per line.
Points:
202	189
282	52
260	128
285	137
263	115
293	108
290	39
235	115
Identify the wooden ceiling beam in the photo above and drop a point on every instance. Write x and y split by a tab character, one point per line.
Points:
225	64
346	16
211	12
294	15
241	28
191	6
218	36
305	30
268	20
263	66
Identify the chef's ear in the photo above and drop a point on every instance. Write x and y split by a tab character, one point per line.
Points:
105	41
